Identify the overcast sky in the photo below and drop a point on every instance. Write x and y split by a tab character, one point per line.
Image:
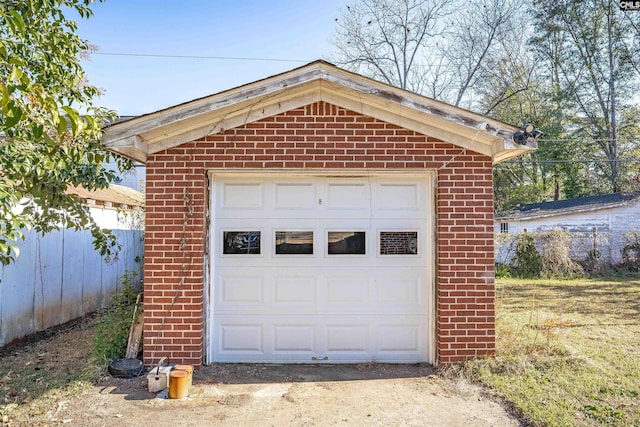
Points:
295	31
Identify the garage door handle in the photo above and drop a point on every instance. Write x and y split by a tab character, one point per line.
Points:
320	358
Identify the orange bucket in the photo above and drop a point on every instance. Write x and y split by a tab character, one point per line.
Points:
188	369
178	384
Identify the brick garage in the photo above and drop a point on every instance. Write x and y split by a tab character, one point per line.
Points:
317	120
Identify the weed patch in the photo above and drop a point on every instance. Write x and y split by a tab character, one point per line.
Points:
114	322
566	351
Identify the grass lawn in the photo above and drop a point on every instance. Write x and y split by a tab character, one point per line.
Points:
568	351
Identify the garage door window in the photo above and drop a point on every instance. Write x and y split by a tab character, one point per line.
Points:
294	242
241	242
398	243
346	242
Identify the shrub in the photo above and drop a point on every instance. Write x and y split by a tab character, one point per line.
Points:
112	329
502	271
528	263
555	255
631	251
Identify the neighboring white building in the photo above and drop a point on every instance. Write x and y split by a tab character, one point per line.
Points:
607	218
114	208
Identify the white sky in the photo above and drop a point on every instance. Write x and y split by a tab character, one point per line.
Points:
132	85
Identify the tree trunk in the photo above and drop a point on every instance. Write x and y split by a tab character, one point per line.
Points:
613	143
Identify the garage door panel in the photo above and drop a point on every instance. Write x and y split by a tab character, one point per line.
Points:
242	196
398	338
241	290
397	197
353	196
295	291
241	338
399	200
294	338
347	338
347	290
396	290
295	196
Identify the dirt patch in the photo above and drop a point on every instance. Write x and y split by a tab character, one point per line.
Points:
234	394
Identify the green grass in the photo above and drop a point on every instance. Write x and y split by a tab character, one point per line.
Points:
568	351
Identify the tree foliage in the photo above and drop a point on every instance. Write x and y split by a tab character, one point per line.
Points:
50	128
587	49
570	67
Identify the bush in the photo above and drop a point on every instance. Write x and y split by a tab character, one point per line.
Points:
555	255
528	263
593	264
112	329
631	252
502	271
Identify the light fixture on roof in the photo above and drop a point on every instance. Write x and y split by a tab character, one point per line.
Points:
537	134
528	134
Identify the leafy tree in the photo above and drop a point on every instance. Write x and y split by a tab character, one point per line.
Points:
589	53
50	128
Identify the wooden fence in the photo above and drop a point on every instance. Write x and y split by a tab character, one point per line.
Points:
58	278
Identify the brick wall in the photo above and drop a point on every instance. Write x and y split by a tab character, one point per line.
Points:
317	136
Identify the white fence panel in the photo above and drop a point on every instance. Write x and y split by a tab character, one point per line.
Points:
60	277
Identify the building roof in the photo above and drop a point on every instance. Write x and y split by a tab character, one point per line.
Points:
112	196
317	81
562	207
121	119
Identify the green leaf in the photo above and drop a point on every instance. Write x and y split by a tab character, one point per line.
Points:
13	117
16	60
74	118
4	95
17	22
61	126
38	131
16	74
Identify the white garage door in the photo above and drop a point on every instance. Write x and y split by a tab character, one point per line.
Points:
308	269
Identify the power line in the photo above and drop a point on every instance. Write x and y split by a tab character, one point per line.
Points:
223	58
230	58
517	162
625	138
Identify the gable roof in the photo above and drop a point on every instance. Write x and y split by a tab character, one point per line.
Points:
316	81
575	205
117	195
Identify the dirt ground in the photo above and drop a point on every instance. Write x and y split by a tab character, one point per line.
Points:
234	394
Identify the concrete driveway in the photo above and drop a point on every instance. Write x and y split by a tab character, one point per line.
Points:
292	395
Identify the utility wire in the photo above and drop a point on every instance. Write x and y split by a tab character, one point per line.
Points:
224	58
516	162
230	58
624	138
